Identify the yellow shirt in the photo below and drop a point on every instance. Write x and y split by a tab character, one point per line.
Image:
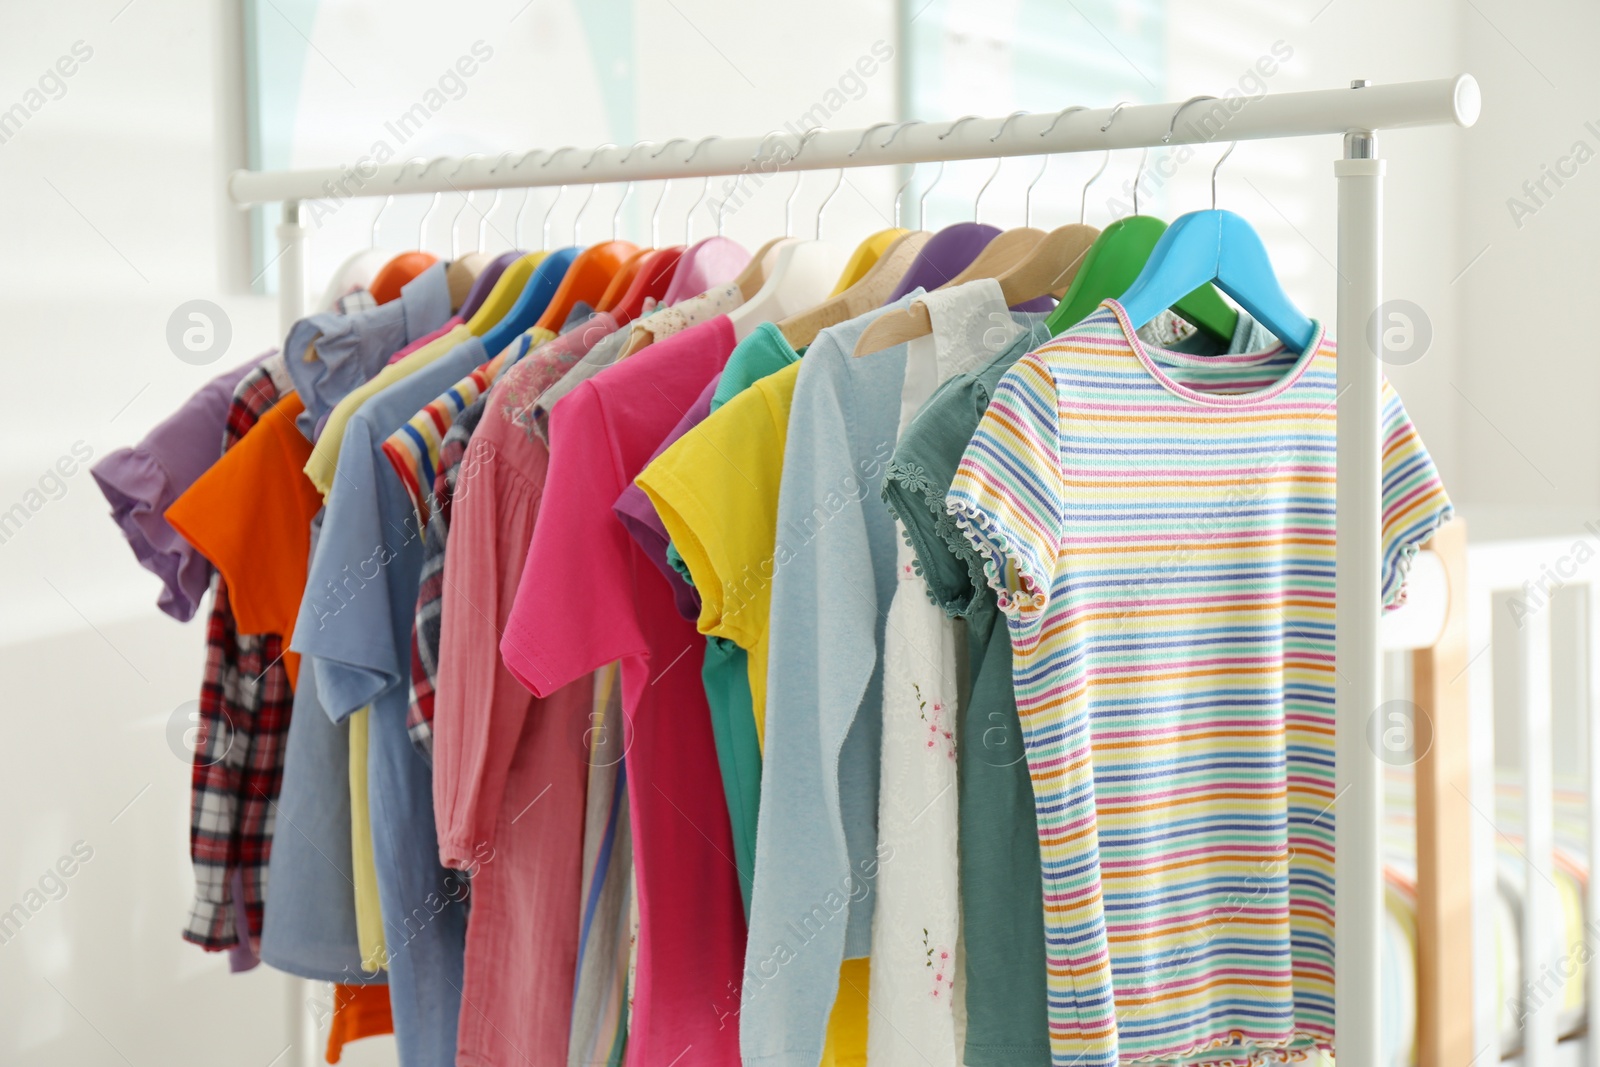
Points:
716	490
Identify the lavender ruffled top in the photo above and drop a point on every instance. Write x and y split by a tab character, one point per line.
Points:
140	482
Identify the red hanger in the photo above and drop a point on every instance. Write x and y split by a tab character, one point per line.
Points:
622	281
651	282
586	280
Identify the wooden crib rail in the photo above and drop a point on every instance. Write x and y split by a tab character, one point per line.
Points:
1444	859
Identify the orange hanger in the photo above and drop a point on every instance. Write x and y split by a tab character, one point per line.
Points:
397	272
624	278
586	280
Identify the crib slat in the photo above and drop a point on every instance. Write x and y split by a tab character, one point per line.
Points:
1540	976
1590	688
1445	941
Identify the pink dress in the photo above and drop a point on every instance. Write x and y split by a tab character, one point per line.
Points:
510	772
589	596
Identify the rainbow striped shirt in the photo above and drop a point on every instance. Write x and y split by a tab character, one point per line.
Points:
1159	529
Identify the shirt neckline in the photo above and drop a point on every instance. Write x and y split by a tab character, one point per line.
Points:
1224	400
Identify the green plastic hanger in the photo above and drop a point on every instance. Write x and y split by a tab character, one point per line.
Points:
1115	260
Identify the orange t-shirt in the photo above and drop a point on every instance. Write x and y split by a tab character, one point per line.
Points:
250	515
358	1011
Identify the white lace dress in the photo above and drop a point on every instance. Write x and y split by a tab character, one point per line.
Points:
916	1016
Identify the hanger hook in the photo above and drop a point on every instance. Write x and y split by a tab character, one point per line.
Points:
956	125
705	186
422	226
998	160
577	220
616	216
1173	124
1083	204
1113	116
805	140
655	212
1063	113
466	199
544	226
379	217
900	192
1138	177
922	201
799	177
483	219
1231	146
1027	194
868	133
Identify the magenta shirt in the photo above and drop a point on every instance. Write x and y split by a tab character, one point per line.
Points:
638	515
588	596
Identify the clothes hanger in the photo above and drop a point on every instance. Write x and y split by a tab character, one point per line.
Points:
869	290
951	249
393	275
874	245
514	280
802	274
1045	270
705	264
463	271
653	274
1221	247
534	299
591	271
754	274
360	268
630	266
1120	253
1010	247
486	280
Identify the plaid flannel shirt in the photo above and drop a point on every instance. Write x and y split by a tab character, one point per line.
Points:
245	704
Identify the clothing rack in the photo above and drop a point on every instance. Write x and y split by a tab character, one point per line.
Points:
1357	114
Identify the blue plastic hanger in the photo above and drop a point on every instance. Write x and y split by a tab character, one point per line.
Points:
525	313
1216	246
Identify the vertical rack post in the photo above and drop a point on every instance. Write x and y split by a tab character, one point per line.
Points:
1358	880
291	267
302	1027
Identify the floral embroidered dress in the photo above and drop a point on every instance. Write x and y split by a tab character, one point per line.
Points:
917	1018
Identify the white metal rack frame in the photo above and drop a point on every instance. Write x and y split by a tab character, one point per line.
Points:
1356	113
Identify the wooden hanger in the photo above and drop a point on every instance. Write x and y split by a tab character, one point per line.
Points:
754	274
1047	269
999	255
870	292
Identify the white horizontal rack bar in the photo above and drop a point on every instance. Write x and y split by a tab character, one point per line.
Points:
1443	101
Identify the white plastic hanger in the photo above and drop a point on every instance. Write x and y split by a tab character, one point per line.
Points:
802	275
358	270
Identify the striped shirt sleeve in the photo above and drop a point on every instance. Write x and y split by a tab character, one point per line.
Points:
1414	500
1006	495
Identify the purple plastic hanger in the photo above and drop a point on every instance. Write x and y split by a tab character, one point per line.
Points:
480	288
946	255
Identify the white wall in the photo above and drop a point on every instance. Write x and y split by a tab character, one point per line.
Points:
114	215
